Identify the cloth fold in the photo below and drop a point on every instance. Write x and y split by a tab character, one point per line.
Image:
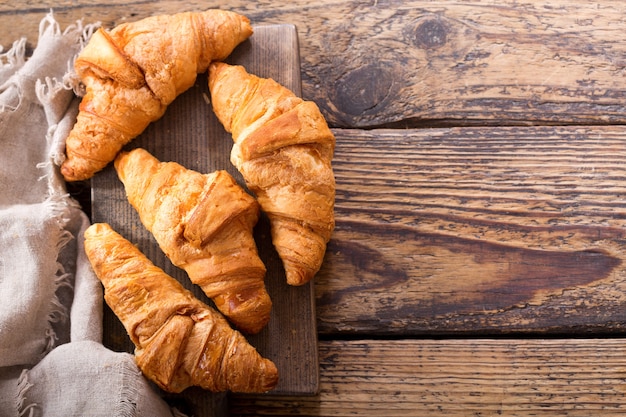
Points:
52	361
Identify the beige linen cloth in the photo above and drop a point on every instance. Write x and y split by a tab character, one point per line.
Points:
52	362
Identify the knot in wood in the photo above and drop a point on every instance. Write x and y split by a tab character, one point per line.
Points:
430	33
363	88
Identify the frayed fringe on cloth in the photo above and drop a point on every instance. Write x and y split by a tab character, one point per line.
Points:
24	410
11	61
50	27
15	57
59	313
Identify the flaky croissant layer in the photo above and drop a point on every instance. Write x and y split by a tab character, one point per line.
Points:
132	73
283	148
204	224
180	342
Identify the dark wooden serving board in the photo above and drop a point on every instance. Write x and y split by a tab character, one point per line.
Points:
190	134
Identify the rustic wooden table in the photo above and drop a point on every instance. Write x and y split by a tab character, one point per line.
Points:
477	267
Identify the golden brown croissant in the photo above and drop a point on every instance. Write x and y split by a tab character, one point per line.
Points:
204	224
283	148
132	73
180	342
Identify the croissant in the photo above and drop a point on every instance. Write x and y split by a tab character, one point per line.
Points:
180	341
132	73
204	224
283	148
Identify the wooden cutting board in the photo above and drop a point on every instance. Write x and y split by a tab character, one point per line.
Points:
190	134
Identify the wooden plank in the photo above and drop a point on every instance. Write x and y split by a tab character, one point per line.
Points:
479	377
190	134
477	230
421	63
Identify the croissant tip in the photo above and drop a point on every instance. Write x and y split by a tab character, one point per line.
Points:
267	378
297	277
249	316
69	173
216	66
121	157
272	380
254	328
246	27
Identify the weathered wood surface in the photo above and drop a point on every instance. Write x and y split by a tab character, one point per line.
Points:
475	230
459	378
454	231
369	63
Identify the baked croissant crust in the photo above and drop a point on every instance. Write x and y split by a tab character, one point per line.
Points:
204	224
283	148
132	73
180	342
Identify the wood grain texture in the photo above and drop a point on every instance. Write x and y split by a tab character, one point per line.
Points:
475	230
372	63
190	134
479	377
